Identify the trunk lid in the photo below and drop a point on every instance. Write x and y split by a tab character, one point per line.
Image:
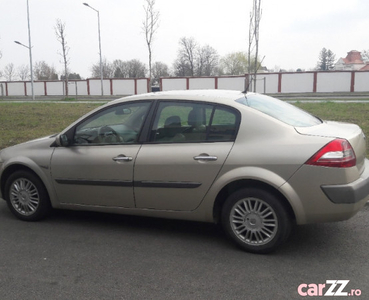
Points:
350	132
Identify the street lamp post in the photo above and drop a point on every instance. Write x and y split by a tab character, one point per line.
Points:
101	67
30	51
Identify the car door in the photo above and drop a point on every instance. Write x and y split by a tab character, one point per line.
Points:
188	146
97	167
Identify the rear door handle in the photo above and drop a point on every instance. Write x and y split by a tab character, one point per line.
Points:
205	157
122	157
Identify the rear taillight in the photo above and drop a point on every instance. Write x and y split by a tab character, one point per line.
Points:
337	154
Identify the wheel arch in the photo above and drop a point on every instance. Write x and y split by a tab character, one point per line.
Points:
10	169
244	183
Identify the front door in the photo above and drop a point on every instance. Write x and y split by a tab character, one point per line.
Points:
97	167
94	175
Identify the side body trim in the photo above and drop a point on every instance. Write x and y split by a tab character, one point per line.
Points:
148	184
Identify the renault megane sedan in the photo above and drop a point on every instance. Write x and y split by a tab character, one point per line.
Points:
253	163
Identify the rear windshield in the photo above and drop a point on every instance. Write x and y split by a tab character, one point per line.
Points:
280	110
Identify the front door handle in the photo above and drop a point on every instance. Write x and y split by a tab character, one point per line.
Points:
205	157
122	157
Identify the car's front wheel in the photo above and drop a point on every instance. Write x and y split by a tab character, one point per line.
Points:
256	220
26	196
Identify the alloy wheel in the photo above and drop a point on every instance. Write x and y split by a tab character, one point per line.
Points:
253	221
24	196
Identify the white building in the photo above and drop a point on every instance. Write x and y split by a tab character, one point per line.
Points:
352	62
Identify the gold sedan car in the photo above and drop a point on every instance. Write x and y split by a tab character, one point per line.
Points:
253	163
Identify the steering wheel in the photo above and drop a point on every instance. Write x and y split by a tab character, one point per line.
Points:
108	135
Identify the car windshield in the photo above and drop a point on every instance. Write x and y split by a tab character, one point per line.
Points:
280	110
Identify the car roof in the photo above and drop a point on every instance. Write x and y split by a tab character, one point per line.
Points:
217	96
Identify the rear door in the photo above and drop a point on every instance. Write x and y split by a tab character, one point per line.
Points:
189	144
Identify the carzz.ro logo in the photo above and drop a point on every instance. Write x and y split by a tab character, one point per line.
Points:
329	288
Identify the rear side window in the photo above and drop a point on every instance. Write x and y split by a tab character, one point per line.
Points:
280	110
223	125
181	122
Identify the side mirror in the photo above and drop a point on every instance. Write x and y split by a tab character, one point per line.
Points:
62	140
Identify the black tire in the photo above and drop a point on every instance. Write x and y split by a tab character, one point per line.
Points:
26	196
256	220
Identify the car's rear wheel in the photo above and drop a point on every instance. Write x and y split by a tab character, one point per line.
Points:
256	220
26	196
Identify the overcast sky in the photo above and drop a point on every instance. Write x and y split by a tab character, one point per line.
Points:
292	32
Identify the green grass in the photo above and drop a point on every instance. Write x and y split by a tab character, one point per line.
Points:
345	112
357	113
20	122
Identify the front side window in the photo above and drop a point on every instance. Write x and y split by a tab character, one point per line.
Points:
119	124
177	122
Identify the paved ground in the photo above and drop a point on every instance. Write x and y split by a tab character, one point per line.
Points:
77	255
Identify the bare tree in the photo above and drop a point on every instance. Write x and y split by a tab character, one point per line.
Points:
61	37
255	17
187	53
9	72
150	25
108	71
23	72
364	55
181	67
159	69
207	61
74	76
43	71
120	69
235	63
136	69
194	60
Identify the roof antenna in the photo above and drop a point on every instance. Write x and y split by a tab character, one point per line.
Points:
250	81
248	85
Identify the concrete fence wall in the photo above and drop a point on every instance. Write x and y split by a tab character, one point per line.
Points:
89	87
273	83
270	83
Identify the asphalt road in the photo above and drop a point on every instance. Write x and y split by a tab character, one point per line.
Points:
77	255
